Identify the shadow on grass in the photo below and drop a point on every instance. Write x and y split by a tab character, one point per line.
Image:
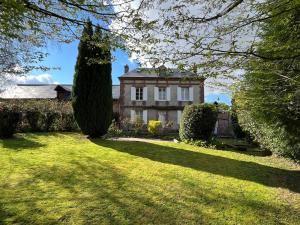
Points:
243	170
19	143
104	194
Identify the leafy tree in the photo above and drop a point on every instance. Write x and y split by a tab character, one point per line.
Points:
217	37
92	89
268	97
27	25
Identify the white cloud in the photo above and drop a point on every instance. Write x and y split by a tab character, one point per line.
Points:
11	80
35	79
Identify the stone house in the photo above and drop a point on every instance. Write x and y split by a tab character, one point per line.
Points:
158	94
145	93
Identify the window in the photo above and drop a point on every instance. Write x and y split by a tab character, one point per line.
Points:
139	114
179	113
139	94
185	94
162	94
162	117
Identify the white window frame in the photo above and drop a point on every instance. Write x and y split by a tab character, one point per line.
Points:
162	94
179	114
185	94
162	117
139	94
139	114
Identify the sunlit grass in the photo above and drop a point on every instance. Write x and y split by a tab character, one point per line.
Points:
67	179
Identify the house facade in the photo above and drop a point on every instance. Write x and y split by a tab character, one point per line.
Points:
145	93
158	94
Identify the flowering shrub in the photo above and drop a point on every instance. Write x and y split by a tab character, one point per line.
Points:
154	126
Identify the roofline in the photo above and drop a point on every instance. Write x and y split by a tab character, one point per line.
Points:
53	84
162	78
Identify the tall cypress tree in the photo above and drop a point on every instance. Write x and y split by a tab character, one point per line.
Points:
101	86
82	74
92	87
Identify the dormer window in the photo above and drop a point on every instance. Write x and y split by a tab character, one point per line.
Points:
162	70
139	94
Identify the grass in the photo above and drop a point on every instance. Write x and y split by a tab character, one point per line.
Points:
60	178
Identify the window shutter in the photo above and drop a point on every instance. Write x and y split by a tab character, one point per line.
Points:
145	116
179	112
155	93
133	94
179	93
191	92
145	93
132	115
168	94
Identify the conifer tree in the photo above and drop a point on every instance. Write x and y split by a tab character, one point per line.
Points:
101	86
82	74
92	88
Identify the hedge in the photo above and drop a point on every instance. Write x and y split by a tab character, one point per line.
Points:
9	120
42	115
198	122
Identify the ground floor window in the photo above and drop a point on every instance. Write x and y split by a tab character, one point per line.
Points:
162	117
139	114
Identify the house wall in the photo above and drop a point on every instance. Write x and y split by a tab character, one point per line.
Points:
152	106
116	106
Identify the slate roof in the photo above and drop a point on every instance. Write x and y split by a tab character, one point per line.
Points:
154	73
27	91
42	91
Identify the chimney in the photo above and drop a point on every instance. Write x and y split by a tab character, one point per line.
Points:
126	68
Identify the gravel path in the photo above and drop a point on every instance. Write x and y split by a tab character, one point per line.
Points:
138	139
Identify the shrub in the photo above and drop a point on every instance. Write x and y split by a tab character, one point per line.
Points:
43	115
34	118
67	122
9	119
138	125
154	126
114	129
125	124
237	129
198	122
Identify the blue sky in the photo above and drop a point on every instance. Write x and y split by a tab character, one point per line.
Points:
64	56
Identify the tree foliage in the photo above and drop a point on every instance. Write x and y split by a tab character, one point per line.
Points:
268	97
92	86
217	37
26	26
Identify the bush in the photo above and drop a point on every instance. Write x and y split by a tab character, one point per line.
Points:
138	125
198	122
237	129
67	122
43	115
34	120
154	126
9	119
114	130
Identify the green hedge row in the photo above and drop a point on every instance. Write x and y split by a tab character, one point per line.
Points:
35	116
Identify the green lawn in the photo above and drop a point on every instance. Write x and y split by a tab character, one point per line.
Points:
67	179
